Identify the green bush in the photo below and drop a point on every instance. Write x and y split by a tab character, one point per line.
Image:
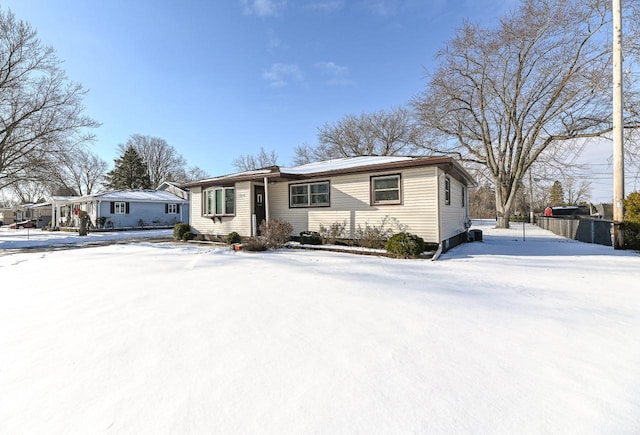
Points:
188	236
310	238
180	229
631	232
232	238
405	245
276	232
632	208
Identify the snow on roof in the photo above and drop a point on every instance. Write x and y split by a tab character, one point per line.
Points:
138	195
342	163
237	174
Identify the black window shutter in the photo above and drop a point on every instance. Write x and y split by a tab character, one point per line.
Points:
166	208
126	205
112	207
177	208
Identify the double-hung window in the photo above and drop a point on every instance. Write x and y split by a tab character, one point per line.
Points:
220	201
309	194
120	207
386	189
172	209
447	191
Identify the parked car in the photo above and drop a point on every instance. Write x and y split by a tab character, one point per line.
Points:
24	224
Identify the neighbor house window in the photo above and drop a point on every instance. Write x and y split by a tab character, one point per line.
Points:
309	194
385	190
447	191
220	201
120	207
172	209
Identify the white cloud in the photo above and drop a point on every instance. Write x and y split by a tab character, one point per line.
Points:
273	41
382	7
263	8
326	6
338	75
280	74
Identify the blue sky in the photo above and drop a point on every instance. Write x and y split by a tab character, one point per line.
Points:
217	79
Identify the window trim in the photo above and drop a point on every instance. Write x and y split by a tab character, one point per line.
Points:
447	191
372	190
205	201
309	195
119	207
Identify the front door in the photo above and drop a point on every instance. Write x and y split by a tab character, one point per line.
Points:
259	208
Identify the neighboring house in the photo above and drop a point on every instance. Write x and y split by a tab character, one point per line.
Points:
40	212
7	216
122	209
170	186
426	195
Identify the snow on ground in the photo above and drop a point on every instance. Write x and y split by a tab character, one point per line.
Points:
36	238
499	337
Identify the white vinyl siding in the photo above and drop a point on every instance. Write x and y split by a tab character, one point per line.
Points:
452	218
240	222
351	202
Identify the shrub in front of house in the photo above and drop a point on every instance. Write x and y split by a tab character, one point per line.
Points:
335	231
375	236
188	236
255	244
405	245
180	229
310	238
276	232
232	238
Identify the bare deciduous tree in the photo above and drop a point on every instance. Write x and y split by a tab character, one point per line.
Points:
192	173
41	111
576	191
501	97
29	192
261	160
163	162
81	172
383	133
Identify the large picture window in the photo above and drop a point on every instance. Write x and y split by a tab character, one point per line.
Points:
220	201
386	190
309	194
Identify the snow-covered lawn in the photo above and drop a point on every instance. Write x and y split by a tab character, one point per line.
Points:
498	337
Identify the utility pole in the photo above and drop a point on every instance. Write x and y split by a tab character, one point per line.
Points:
618	141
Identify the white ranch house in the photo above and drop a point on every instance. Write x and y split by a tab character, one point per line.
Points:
426	195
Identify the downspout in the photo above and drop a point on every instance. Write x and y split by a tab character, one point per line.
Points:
439	216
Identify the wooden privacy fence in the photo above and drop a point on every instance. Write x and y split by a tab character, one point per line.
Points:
585	229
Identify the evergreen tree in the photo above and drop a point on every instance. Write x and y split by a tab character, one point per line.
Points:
130	172
556	194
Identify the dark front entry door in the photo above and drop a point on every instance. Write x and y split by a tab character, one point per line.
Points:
259	205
